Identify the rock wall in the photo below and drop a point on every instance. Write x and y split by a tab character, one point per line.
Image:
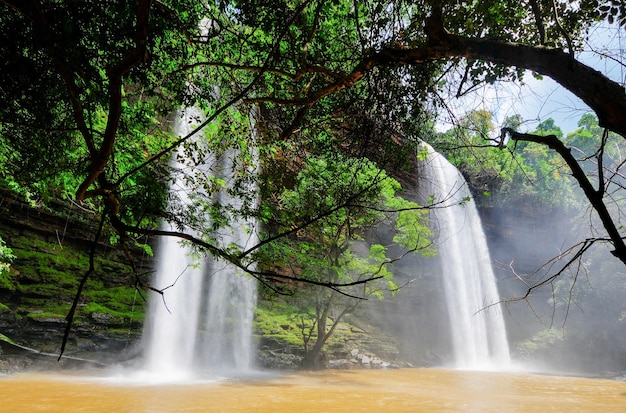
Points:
51	246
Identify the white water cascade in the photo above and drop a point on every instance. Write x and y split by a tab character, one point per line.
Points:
203	322
477	324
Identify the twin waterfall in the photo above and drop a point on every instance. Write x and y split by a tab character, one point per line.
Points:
203	322
478	333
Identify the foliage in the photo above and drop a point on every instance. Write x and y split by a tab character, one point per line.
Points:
590	140
542	174
542	340
89	90
335	202
53	124
525	172
290	59
6	256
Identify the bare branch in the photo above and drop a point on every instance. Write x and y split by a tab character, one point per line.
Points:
578	253
594	196
338	287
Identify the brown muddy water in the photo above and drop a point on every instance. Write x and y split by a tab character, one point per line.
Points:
404	390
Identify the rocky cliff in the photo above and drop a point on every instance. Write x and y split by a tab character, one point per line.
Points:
52	245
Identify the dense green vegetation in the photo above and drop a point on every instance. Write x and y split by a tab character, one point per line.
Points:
526	171
46	282
315	107
332	250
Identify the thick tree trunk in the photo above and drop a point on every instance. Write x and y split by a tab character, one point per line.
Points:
604	96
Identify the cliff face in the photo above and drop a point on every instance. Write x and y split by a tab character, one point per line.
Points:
51	247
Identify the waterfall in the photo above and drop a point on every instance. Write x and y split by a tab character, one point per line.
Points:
203	322
477	325
227	343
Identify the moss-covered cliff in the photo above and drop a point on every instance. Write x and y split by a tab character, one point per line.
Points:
51	249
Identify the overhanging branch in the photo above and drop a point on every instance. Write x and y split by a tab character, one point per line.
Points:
115	76
595	196
604	96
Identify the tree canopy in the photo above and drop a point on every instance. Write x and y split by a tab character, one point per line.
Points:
90	90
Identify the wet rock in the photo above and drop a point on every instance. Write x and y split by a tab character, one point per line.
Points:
106	319
280	361
341	364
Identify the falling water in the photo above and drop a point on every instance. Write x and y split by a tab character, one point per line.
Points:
231	299
477	324
203	322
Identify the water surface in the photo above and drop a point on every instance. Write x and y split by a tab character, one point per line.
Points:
405	390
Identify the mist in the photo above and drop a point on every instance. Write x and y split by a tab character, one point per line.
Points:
573	324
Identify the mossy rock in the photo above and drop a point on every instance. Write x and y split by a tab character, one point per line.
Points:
106	319
44	291
46	317
7	281
103	315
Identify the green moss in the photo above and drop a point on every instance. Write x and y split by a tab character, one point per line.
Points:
117	298
44	291
118	301
118	316
285	323
48	275
7	281
52	267
279	321
58	313
282	322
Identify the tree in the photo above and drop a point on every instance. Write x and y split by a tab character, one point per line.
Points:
88	87
525	172
354	197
